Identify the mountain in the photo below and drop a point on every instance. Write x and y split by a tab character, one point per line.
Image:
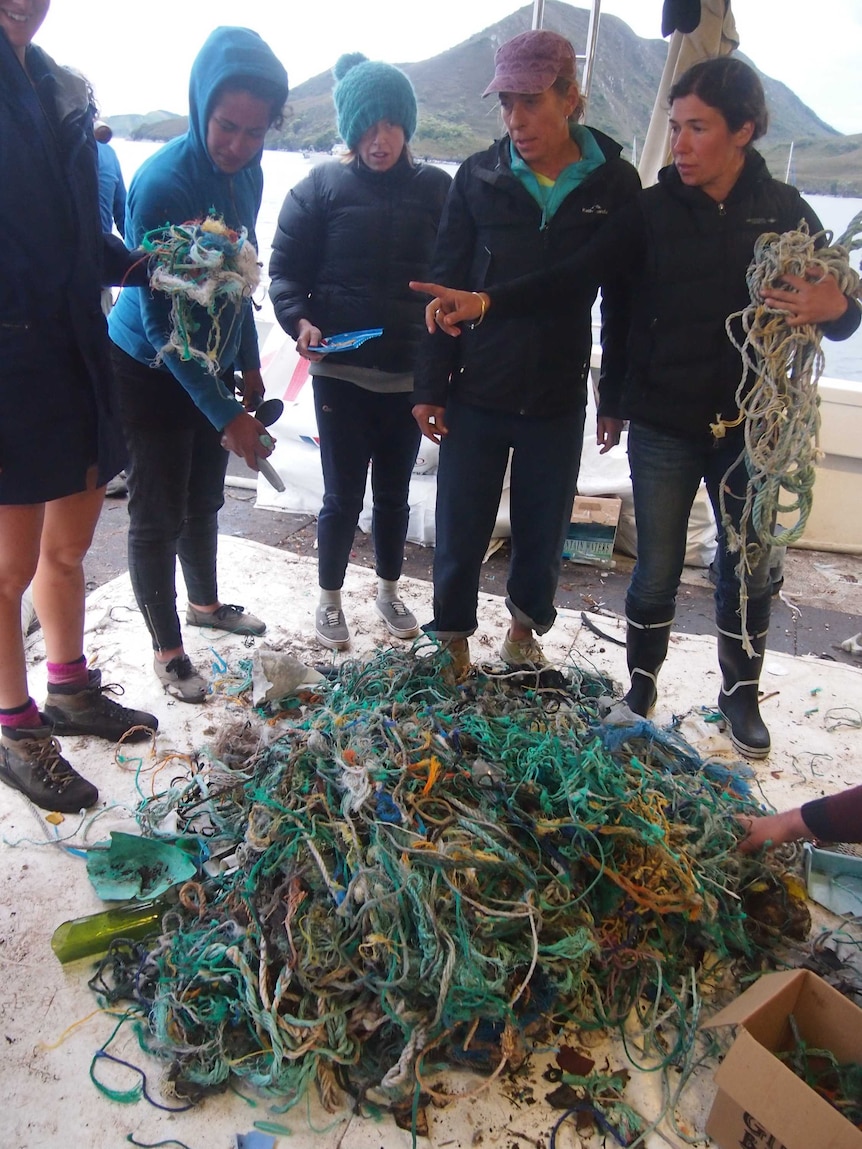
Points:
454	120
153	126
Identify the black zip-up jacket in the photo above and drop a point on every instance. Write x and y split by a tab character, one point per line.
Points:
689	255
348	242
492	231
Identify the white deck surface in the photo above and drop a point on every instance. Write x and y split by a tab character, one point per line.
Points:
48	1099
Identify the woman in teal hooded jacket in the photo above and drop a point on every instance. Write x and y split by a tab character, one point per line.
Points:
180	420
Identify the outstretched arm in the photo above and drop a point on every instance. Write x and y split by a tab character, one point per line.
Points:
767	830
834	818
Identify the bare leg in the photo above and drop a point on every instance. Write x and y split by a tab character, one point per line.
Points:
518	632
20	529
58	586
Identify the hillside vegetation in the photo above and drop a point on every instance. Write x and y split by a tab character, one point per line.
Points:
454	120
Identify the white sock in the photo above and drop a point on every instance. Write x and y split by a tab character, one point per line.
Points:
387	590
330	598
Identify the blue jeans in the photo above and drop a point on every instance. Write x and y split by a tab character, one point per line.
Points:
666	472
175	476
546	456
358	427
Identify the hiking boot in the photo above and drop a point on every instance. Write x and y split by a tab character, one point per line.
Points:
181	680
399	620
70	710
228	617
331	628
31	762
523	652
458	650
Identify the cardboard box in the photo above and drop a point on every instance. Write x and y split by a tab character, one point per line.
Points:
592	530
763	1104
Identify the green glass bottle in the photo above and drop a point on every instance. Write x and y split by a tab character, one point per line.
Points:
91	935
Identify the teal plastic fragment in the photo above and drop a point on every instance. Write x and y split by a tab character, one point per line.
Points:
135	867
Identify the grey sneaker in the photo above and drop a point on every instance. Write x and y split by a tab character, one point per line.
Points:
399	620
31	762
331	628
181	680
71	710
527	652
229	617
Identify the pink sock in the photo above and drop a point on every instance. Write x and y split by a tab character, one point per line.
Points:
26	716
68	673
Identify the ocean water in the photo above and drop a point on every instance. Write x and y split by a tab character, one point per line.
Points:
284	169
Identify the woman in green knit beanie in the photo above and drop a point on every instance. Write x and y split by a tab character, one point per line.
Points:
349	238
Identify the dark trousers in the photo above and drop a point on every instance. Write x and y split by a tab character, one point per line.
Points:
358	427
546	456
666	473
175	476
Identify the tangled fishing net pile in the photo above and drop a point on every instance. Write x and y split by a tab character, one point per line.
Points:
202	264
422	872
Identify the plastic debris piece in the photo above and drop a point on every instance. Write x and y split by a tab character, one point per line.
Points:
137	867
347	340
254	1140
834	880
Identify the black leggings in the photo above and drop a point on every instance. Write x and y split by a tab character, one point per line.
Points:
175	476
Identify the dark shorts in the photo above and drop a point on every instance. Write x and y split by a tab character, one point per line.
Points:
48	422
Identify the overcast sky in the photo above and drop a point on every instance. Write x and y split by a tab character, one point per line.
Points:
137	53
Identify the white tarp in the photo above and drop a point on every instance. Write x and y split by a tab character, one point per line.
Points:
715	35
297	460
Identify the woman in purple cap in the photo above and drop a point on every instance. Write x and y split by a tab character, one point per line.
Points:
541	190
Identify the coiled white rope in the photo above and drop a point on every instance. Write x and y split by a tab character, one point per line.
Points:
778	399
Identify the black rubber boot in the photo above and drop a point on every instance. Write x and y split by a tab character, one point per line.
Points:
71	710
31	762
738	698
646	649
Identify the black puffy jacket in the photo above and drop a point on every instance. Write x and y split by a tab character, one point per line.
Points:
689	256
348	242
491	231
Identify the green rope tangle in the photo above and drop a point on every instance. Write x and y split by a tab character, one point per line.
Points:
839	1084
777	398
204	266
418	871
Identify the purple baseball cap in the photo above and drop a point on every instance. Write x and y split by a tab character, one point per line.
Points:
530	63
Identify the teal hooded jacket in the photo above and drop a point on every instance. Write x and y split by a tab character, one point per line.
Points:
180	183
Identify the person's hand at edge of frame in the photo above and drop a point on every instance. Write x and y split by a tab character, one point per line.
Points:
763	831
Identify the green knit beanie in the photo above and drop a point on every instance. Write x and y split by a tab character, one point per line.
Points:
367	91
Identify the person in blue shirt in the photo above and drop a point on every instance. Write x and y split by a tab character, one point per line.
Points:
112	187
180	420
